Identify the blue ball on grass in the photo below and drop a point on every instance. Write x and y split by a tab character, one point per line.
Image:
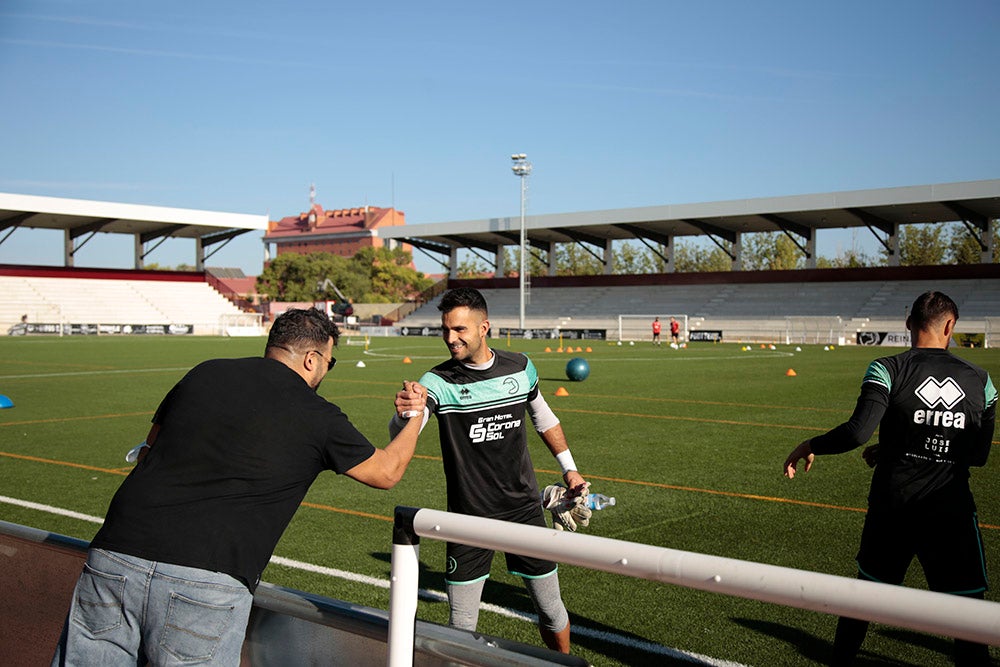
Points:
577	369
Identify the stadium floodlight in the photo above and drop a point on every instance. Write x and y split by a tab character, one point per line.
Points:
521	169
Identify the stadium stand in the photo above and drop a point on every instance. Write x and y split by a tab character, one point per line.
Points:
747	309
86	297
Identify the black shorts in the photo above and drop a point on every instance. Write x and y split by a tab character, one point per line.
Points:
467	564
947	543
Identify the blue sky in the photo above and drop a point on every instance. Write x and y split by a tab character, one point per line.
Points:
239	106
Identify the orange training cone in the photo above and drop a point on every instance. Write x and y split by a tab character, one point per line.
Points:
407	360
561	391
548	349
589	349
791	372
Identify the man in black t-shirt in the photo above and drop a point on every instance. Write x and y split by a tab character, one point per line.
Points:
233	449
935	414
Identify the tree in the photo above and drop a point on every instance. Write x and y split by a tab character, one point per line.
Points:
921	245
691	258
631	259
572	260
770	251
373	275
963	248
852	258
391	275
294	277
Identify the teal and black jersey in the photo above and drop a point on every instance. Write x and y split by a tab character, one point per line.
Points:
935	414
482	419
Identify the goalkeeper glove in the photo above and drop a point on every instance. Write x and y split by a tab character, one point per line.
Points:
567	512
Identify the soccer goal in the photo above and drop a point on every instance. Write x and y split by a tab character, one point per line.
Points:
640	327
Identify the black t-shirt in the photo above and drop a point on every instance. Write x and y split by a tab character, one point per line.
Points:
935	414
240	441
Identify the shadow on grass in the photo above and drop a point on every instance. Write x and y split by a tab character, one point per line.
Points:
819	649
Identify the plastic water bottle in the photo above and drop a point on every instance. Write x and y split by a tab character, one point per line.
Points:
598	501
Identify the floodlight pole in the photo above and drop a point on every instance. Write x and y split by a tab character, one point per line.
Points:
522	168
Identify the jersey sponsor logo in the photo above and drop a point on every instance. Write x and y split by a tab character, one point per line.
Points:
511	384
937	393
493	427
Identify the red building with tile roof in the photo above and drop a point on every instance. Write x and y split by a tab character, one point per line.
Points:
340	232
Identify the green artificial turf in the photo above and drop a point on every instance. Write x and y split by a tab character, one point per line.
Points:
689	441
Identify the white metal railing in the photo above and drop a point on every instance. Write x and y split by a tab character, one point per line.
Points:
916	609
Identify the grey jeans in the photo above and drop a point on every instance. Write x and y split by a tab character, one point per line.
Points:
126	610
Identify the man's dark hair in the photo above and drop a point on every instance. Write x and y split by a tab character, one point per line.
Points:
463	296
929	308
302	328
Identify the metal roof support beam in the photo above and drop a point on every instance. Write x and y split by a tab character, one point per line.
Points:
428	246
553	259
71	234
967	215
90	228
11	224
469	243
640	233
979	226
873	222
433	257
582	239
16	221
516	239
668	258
662	240
715	233
542	259
475	252
792	228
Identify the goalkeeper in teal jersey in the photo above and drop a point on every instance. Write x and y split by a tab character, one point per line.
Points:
482	398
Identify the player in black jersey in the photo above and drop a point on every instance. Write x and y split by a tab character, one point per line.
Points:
481	398
935	414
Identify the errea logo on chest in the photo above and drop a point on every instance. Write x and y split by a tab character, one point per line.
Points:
936	393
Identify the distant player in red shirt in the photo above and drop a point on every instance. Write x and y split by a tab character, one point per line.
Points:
656	331
675	330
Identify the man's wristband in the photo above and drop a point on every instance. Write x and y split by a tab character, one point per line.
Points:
566	461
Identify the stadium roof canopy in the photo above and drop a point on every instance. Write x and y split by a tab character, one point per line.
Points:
81	219
882	211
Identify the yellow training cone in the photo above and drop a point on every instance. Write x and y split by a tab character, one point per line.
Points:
561	391
791	372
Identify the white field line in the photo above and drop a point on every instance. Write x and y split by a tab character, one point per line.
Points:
433	595
97	372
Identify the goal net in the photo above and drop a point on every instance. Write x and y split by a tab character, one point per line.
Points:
640	327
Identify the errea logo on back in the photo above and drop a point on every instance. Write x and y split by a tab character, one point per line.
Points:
934	393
